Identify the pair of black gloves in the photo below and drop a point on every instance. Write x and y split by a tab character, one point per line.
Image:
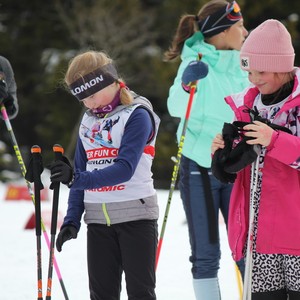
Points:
227	162
62	171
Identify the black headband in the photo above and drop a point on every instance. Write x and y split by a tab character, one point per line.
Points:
93	82
220	20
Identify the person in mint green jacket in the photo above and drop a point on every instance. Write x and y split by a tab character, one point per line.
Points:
218	37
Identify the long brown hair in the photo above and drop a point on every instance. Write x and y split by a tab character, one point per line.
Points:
187	27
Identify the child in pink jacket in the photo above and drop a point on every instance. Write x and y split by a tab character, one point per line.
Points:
269	188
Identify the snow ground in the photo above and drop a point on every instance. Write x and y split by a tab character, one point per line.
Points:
18	270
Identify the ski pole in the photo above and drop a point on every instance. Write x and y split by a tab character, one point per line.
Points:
247	289
193	85
174	174
58	151
239	281
30	191
38	186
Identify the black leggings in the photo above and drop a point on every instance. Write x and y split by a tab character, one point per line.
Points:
277	295
128	247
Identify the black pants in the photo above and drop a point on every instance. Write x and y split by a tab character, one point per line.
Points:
129	247
277	295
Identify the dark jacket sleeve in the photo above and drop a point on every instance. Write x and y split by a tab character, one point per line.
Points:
12	110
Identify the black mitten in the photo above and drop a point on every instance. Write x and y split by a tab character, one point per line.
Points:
67	232
3	90
244	154
217	168
6	99
229	133
61	171
9	103
241	156
29	176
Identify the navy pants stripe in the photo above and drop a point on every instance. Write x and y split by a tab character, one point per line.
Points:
129	247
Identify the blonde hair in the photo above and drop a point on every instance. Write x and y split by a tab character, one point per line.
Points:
87	62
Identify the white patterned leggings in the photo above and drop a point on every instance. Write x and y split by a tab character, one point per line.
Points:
275	272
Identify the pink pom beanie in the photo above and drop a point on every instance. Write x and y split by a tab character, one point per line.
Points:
268	48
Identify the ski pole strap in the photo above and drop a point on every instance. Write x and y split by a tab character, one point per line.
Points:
58	152
37	166
37	169
210	208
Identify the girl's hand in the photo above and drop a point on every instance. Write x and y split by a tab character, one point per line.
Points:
217	143
261	132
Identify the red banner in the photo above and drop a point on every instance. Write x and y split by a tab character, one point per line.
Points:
19	192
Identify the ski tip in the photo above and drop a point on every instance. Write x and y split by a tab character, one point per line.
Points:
36	149
58	148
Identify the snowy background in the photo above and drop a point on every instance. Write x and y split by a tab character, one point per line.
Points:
18	268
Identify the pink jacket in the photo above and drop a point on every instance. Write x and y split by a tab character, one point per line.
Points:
279	213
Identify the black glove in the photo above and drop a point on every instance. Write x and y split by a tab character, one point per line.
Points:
3	90
68	232
61	171
9	104
227	162
29	176
229	133
218	171
241	156
6	99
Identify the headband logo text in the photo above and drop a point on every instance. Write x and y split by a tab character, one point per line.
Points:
79	89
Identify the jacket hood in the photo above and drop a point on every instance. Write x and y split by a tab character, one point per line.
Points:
294	99
221	60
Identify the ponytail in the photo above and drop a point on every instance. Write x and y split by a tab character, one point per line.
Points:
185	29
188	25
125	94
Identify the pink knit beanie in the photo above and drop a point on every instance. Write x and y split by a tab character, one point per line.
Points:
268	48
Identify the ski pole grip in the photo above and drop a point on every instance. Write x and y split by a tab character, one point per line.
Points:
36	150
58	151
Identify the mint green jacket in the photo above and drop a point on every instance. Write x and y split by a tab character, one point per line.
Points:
209	110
